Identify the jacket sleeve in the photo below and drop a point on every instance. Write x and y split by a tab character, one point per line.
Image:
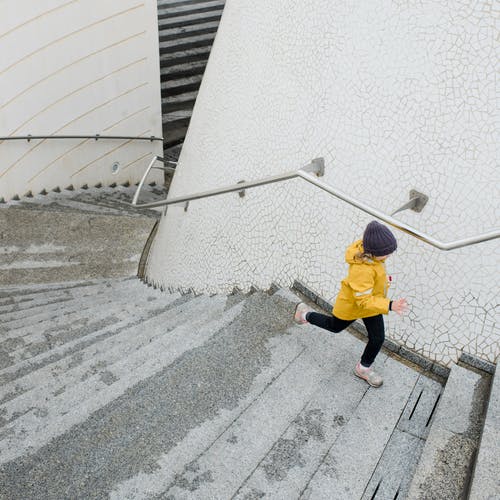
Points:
361	281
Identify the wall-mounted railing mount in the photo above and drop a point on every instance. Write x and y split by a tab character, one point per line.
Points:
417	202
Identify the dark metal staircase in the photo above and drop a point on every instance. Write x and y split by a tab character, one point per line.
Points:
187	30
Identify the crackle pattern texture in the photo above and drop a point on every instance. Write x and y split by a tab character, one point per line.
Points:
395	95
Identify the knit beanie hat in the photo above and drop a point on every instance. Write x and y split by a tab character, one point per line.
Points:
378	240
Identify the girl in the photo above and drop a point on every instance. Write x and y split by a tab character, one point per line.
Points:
363	295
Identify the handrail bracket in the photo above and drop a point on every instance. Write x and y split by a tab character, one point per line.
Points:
417	202
317	166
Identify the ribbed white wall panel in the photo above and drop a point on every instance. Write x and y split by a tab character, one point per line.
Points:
395	96
78	67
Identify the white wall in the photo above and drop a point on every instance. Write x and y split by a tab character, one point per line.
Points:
395	96
77	67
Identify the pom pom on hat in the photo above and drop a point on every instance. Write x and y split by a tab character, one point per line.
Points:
378	240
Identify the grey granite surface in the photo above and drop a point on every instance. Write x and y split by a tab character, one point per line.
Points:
486	478
444	468
115	390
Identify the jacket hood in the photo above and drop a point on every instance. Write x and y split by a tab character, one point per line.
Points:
353	250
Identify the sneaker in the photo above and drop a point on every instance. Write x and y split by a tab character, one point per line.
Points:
300	313
369	375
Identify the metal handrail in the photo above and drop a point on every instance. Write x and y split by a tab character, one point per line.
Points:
316	166
310	173
143	180
29	137
401	225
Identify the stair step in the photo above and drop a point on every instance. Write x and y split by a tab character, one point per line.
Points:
88	335
76	328
244	443
184	57
22	305
446	459
185	17
176	128
394	470
181	87
297	453
165	10
179	104
104	200
363	438
61	315
167	22
66	325
86	203
57	315
41	326
178	118
169	85
417	416
179	3
179	34
391	479
26	374
173	100
31	431
486	478
38	388
20	319
13	293
173	46
183	71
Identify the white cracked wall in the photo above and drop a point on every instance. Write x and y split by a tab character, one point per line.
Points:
395	95
77	67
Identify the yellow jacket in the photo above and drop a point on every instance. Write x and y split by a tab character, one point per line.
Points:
363	292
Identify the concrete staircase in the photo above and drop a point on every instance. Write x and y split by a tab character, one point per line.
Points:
111	389
187	30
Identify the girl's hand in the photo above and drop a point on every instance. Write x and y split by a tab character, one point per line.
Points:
399	306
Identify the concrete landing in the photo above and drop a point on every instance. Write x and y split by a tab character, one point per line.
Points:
142	394
74	235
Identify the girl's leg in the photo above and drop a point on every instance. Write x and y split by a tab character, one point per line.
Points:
331	323
376	336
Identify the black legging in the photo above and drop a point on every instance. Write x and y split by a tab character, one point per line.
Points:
374	326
